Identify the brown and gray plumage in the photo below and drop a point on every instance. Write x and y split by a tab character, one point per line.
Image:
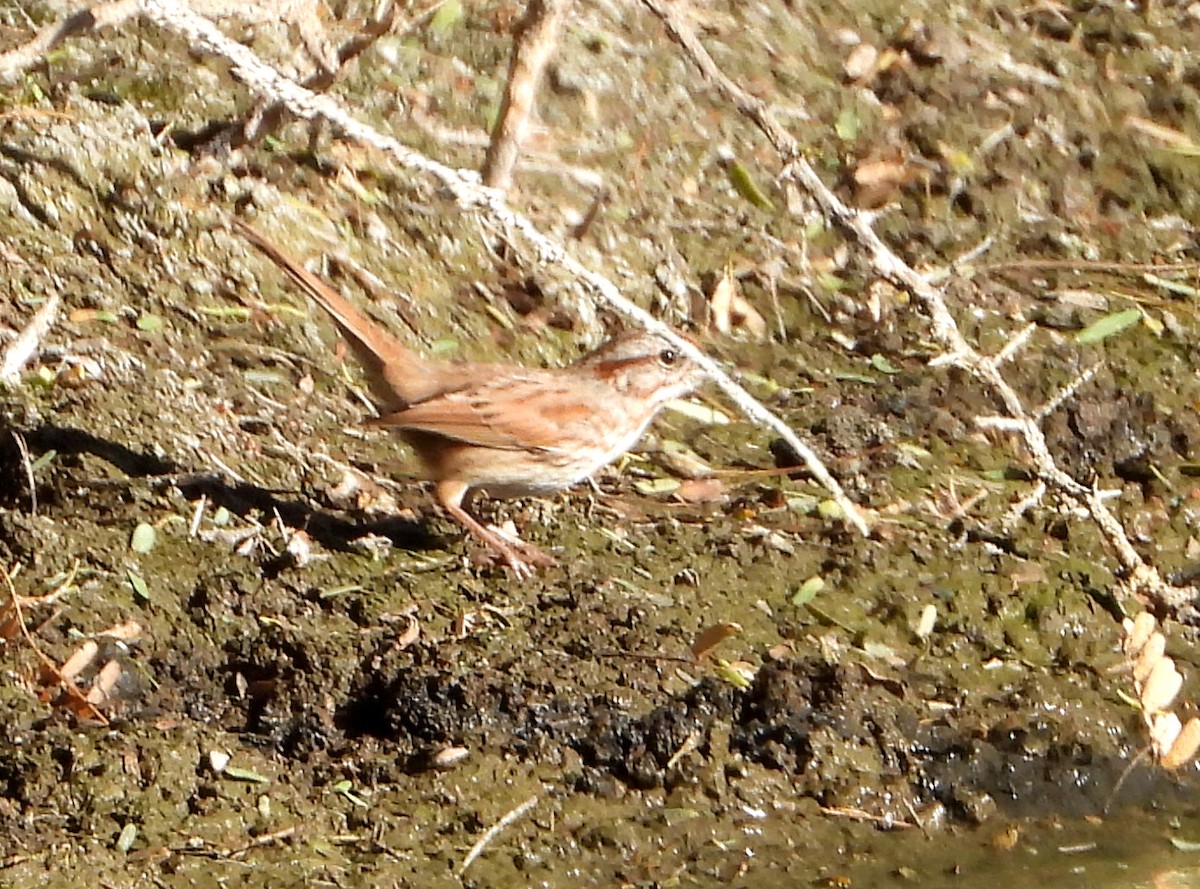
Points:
505	429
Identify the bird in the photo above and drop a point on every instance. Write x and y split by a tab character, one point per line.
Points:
505	430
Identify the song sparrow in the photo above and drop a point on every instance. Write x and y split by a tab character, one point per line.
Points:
509	431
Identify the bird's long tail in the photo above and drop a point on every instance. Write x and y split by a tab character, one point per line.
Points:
397	376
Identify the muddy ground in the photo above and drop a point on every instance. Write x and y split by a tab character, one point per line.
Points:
328	685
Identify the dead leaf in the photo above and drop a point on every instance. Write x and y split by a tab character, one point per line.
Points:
712	637
1185	746
125	632
701	490
720	302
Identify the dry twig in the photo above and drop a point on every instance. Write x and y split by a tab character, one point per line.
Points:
1144	580
494	831
26	344
470	195
78	698
534	40
102	15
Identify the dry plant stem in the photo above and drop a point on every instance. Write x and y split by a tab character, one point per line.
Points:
470	195
26	344
27	464
1143	578
534	40
492	832
67	683
264	121
102	15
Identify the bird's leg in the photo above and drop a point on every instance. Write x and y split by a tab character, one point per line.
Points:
522	557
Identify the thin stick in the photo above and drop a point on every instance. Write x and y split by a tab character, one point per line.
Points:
534	39
470	195
492	832
69	684
15	61
28	465
1142	579
26	344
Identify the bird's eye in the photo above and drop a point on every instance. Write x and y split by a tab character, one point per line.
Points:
668	356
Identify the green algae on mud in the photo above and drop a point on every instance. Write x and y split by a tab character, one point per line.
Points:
578	687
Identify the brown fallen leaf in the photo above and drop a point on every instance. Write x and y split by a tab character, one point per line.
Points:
701	490
712	637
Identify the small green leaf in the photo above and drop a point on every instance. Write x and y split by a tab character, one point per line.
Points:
346	789
1176	287
745	185
847	124
265	375
1109	325
43	377
43	461
128	835
881	364
341	591
731	674
149	322
651	486
142	540
959	161
830	509
139	586
225	313
448	15
808	590
912	450
1129	699
248	775
749	376
830	281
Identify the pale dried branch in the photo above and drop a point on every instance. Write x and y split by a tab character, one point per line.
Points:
469	194
21	349
1014	345
303	14
1066	393
102	15
494	831
1017	511
534	39
267	118
27	465
1144	579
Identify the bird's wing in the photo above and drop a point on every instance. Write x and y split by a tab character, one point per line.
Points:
530	410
